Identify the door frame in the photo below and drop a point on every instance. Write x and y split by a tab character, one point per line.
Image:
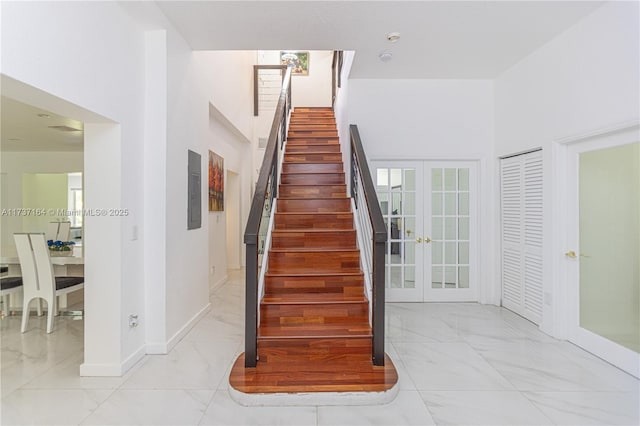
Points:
567	287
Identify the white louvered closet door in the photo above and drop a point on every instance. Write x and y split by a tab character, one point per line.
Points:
521	218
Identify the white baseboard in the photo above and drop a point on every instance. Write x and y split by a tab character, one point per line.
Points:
156	348
133	359
218	283
112	370
100	370
187	327
150	348
163	348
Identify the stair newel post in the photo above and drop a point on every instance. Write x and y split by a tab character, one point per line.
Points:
379	248
251	301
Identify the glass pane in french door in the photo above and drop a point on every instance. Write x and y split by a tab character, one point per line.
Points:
396	189
450	227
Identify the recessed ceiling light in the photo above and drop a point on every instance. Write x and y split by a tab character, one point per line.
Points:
393	37
385	56
44	116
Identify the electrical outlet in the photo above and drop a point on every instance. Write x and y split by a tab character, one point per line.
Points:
133	320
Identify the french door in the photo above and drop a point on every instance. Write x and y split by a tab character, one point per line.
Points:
430	210
603	248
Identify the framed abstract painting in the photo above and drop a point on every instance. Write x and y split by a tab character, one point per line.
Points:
216	182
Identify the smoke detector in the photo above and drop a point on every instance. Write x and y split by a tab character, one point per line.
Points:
385	56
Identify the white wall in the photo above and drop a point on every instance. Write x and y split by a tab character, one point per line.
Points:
584	80
144	96
235	219
428	120
235	151
48	191
120	72
423	118
104	77
196	80
313	90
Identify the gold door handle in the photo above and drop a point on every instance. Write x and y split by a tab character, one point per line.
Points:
427	240
418	240
571	254
408	231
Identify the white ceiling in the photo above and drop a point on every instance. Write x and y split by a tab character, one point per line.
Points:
24	130
439	39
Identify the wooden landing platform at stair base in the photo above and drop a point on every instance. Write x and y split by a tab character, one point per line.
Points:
314	334
302	376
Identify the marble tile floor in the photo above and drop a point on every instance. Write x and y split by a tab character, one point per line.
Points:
459	364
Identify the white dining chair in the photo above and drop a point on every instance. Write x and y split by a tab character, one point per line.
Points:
58	231
9	286
38	279
52	231
64	231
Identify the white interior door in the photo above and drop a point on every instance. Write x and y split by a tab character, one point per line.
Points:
399	189
450	231
430	211
603	250
521	234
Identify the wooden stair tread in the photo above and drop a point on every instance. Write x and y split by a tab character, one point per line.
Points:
312	185
313	274
320	198
313	250
315	330
312	298
315	161
313	213
327	140
310	135
312	152
310	230
331	238
320	173
310	173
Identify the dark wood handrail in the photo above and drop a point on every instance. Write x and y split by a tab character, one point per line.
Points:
266	185
360	173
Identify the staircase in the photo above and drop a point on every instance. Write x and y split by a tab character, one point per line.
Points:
314	333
